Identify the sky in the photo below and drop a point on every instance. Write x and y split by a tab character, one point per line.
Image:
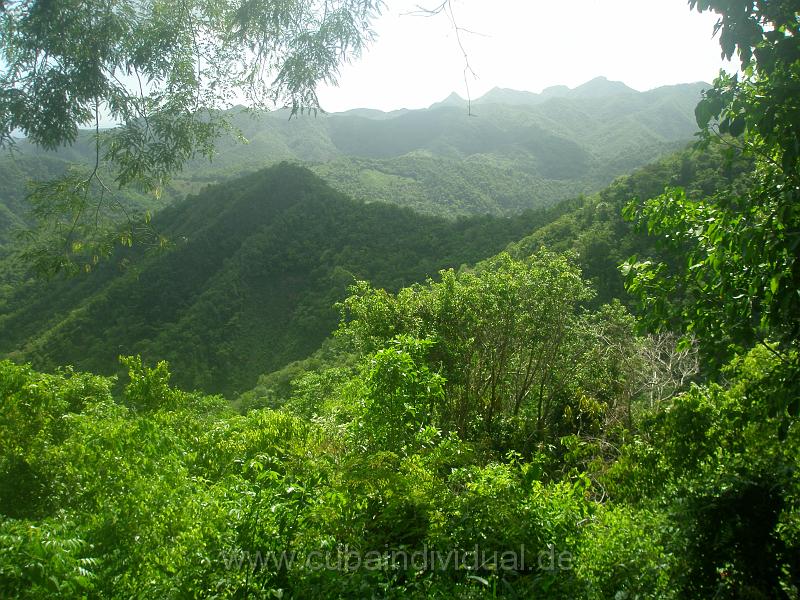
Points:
525	45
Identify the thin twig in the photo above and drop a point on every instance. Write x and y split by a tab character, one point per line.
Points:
446	8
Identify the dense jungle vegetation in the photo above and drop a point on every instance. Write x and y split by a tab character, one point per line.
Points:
416	373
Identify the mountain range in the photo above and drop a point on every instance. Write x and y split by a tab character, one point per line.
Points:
513	150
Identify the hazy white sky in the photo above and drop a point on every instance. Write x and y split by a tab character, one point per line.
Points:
526	45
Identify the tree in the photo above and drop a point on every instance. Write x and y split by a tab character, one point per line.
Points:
522	362
164	70
739	282
161	68
397	410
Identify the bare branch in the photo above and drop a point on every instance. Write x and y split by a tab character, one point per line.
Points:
446	8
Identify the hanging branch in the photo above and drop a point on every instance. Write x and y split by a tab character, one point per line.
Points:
446	8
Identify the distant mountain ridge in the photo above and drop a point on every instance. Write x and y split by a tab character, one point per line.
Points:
599	87
516	150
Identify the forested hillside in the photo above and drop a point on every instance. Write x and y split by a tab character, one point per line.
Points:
248	284
248	263
590	228
603	240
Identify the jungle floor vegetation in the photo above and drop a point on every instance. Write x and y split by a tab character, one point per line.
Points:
487	436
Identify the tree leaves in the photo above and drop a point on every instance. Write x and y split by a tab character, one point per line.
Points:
164	72
740	275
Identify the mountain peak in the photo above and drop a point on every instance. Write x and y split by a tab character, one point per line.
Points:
601	87
452	100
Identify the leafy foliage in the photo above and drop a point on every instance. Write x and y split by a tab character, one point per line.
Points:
401	393
366	471
161	68
177	501
508	341
724	460
740	275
